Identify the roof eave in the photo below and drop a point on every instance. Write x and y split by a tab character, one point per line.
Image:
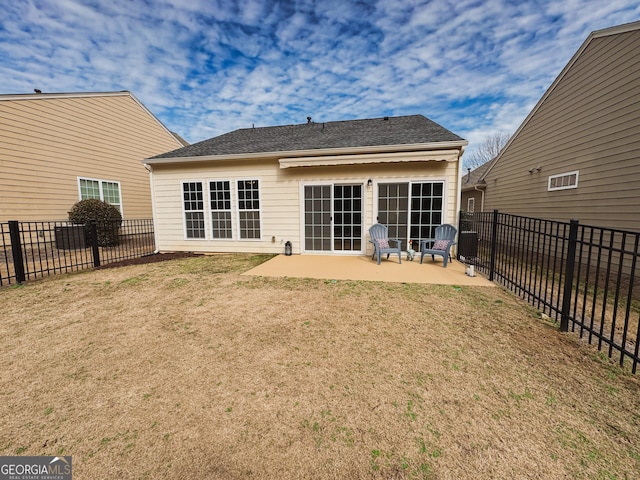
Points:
314	152
474	186
45	96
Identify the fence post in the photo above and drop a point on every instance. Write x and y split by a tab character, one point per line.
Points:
93	229
568	278
494	243
16	251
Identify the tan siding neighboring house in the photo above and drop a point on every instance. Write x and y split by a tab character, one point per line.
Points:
588	122
319	186
49	141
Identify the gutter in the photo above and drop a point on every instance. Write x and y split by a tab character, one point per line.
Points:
460	144
481	190
149	169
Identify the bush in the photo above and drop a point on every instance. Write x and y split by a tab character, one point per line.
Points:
106	216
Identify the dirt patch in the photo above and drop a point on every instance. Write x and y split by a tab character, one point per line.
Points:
153	258
187	369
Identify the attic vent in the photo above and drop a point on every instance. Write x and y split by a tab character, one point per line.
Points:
308	120
386	119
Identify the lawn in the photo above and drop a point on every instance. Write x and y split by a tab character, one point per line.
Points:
186	369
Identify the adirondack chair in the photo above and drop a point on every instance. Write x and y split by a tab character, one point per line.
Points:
379	236
440	245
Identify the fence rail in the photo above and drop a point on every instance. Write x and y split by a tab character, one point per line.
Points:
30	250
586	277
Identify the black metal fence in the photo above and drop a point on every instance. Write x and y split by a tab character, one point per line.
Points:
586	277
29	250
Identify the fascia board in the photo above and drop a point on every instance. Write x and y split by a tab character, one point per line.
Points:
460	144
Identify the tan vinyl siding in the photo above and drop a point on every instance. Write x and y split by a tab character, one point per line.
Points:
280	189
47	143
589	122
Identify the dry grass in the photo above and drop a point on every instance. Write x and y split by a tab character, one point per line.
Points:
186	369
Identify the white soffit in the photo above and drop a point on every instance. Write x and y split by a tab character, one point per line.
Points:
329	160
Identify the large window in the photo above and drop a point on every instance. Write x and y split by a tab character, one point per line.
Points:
220	199
105	190
193	205
249	209
412	211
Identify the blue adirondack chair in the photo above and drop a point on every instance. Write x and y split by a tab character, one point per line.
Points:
379	236
440	245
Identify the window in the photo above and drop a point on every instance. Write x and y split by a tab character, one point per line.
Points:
105	190
249	209
471	203
563	181
220	200
193	204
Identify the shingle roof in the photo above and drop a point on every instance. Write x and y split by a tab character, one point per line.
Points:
404	130
474	178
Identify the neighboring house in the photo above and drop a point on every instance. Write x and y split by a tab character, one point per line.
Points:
472	197
577	154
319	186
56	149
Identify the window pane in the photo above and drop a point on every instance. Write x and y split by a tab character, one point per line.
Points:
111	193
193	205
249	208
89	189
220	195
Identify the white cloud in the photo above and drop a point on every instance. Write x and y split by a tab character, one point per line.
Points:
206	67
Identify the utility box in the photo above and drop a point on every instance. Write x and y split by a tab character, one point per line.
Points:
70	237
468	244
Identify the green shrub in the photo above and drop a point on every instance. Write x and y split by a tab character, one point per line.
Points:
106	216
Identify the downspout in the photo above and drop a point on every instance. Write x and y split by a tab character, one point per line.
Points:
153	207
482	198
459	187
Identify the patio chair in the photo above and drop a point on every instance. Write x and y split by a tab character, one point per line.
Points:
440	245
379	236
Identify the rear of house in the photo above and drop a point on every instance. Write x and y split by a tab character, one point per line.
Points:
319	186
577	155
56	149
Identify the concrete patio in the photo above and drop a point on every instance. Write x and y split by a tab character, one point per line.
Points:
360	267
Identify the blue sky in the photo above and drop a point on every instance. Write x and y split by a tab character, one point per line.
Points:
208	67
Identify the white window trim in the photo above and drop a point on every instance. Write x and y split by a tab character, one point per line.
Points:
566	174
205	199
100	180
237	209
471	204
209	211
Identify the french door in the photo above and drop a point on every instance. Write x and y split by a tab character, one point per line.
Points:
411	210
333	218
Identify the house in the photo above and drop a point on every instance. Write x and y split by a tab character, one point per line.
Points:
319	186
472	189
577	154
56	149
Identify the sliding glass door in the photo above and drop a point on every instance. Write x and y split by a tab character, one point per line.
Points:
411	210
333	218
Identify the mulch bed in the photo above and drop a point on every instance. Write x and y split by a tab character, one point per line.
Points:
153	258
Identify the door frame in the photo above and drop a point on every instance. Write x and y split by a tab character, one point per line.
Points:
410	181
332	183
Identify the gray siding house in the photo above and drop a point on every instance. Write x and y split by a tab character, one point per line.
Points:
473	188
577	154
